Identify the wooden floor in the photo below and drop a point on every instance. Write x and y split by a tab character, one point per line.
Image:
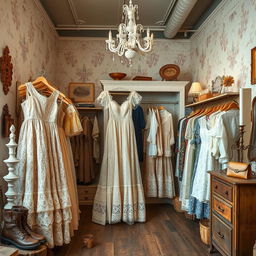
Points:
166	233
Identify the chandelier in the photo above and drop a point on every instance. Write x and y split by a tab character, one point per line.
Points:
129	38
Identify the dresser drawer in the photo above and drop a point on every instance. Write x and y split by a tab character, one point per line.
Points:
222	189
222	235
87	189
222	208
86	193
86	197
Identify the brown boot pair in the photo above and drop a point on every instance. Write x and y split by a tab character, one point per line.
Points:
17	232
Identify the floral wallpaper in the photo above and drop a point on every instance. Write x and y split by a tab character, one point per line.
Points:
87	60
32	45
220	47
223	45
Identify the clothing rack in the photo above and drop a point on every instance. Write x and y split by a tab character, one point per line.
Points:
159	102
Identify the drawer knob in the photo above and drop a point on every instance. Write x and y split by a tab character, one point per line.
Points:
226	193
221	209
216	186
220	235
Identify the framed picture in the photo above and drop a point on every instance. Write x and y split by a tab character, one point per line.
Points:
253	66
82	92
217	85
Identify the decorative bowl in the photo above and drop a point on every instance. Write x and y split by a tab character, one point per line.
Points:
117	76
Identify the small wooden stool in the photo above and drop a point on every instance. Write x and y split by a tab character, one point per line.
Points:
88	241
13	251
8	251
40	251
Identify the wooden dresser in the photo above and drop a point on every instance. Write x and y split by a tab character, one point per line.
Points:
86	194
233	215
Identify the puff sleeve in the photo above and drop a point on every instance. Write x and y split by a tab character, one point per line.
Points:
72	123
104	99
135	99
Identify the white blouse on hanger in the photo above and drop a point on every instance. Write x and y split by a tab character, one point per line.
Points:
152	149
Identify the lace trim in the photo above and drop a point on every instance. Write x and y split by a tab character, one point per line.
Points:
129	213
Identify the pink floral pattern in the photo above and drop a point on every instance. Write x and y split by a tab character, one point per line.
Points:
86	60
21	29
233	34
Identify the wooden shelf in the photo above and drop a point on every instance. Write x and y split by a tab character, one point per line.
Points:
216	98
89	109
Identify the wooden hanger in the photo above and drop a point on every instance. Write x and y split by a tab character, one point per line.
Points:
43	86
230	105
161	108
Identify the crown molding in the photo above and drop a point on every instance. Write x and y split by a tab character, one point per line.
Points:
45	16
223	4
67	38
95	27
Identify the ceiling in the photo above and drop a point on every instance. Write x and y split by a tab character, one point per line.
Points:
93	18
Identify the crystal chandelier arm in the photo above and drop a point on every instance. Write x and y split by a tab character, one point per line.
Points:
147	44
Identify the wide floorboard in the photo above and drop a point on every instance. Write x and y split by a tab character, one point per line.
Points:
166	233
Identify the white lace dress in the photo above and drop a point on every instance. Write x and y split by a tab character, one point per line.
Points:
119	195
42	186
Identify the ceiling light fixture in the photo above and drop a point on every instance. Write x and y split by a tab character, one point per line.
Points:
129	38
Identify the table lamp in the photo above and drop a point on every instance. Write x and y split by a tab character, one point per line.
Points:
195	90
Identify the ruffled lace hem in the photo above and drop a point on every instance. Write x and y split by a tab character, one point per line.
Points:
129	213
113	204
46	201
54	225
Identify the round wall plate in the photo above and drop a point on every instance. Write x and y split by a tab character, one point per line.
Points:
169	72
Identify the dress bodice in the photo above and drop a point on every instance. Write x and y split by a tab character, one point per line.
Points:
37	106
116	111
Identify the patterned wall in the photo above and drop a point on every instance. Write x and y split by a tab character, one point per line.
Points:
223	45
86	60
32	44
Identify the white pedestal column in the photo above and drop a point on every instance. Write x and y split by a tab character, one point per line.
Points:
11	178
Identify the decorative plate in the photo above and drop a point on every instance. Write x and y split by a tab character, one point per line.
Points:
169	72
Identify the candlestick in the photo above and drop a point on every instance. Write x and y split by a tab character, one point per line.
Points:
241	106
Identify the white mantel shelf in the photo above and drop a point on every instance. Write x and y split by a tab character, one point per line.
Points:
144	86
178	87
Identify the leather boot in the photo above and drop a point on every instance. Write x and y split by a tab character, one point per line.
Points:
14	234
25	225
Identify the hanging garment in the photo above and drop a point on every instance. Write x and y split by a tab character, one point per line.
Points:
182	149
42	186
86	165
188	165
200	209
206	162
119	195
159	170
139	124
70	169
164	169
225	135
96	140
152	127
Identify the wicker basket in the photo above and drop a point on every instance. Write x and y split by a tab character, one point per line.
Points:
177	204
205	231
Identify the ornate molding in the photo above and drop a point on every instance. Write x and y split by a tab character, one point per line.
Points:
6	68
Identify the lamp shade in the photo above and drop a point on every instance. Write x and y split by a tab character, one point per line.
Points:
195	88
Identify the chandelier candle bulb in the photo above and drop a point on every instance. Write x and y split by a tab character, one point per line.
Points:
110	35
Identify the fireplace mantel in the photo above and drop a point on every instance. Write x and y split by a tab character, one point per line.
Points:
178	87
